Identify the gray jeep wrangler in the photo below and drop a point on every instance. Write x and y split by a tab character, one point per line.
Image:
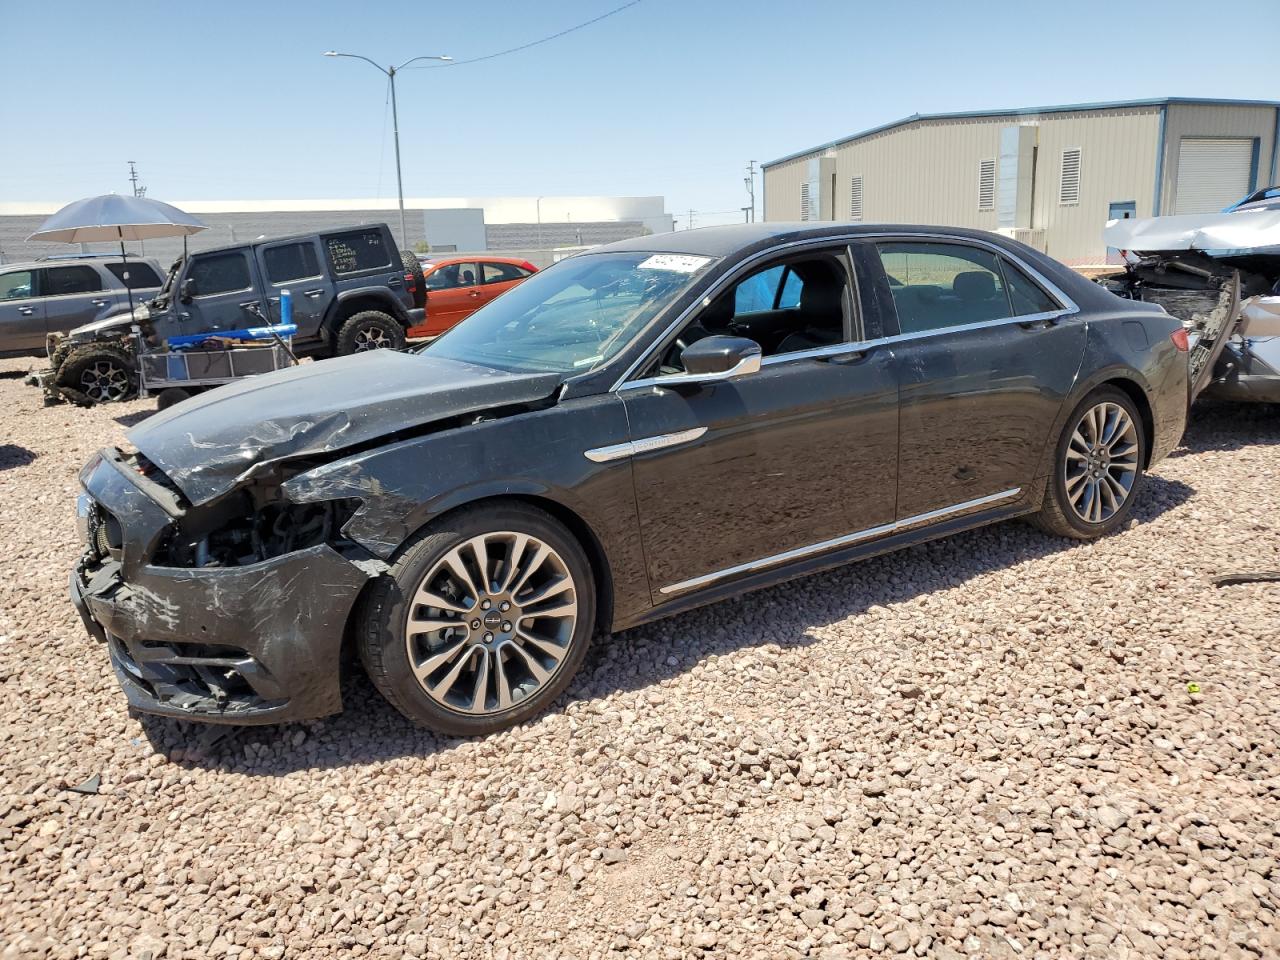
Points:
352	291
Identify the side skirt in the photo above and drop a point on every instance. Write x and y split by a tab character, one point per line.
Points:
1028	503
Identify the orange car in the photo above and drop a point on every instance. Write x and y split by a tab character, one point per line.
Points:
458	286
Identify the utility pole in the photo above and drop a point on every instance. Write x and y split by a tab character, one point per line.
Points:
750	181
690	226
138	190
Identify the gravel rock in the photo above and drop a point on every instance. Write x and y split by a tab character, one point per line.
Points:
765	777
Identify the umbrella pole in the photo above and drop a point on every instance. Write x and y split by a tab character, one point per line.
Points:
128	287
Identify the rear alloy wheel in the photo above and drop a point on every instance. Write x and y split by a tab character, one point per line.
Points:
1098	468
370	330
481	623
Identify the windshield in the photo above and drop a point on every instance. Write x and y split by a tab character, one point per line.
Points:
572	317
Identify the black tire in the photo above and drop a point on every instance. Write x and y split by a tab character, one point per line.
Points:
361	331
1057	515
417	282
381	627
97	373
169	396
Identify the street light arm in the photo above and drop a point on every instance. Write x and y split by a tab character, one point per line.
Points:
416	59
356	56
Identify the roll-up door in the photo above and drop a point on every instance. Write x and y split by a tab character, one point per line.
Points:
1213	173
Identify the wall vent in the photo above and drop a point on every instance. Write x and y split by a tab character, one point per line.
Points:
804	201
986	184
1069	189
855	198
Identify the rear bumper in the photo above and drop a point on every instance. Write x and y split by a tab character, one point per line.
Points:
258	643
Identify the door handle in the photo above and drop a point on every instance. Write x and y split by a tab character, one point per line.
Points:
474	293
854	355
248	303
100	302
26	311
312	293
1040	322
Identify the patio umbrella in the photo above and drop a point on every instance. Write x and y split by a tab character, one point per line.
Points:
113	217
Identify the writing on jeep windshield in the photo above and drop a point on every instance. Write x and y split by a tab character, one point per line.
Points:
572	317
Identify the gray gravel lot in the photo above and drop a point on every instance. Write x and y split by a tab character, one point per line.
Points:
981	747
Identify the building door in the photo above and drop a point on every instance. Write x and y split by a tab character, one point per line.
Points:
1120	210
1214	172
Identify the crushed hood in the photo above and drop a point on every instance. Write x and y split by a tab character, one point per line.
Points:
206	444
1223	234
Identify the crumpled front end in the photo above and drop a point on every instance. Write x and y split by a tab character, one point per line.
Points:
232	613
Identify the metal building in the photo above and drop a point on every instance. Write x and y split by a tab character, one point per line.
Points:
1049	176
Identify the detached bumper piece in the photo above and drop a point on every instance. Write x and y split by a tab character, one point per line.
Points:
201	678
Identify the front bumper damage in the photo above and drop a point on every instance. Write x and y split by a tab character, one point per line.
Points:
257	643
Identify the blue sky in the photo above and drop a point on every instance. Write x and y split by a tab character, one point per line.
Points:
233	100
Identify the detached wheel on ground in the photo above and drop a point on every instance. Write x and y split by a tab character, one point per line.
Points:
97	373
369	330
482	621
1097	468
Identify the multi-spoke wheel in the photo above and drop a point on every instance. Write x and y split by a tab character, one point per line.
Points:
97	373
1098	467
481	622
369	330
1101	462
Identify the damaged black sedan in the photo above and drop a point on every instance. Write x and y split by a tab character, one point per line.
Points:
645	427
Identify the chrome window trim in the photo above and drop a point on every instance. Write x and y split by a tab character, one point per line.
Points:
1069	306
815	548
629	448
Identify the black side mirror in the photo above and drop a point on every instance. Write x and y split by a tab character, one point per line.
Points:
188	290
720	357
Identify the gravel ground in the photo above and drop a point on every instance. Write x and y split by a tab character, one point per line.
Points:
988	746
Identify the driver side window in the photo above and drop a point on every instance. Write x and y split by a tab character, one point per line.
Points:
797	304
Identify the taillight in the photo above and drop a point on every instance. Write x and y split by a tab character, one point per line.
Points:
529	266
1179	338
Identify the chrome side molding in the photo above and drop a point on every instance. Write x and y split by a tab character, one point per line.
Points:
801	552
619	451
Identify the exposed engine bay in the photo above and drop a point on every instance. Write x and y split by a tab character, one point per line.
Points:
1220	275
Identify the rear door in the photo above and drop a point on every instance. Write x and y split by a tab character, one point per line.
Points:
21	312
986	356
295	265
452	293
224	296
497	278
73	295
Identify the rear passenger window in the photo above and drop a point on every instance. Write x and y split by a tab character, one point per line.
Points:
64	281
501	272
220	273
291	261
17	285
140	275
358	251
939	285
758	292
1025	294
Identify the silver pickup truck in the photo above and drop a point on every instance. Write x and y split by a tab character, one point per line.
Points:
57	294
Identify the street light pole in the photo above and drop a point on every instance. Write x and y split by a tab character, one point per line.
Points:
390	73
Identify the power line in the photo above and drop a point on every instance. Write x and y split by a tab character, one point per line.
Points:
532	43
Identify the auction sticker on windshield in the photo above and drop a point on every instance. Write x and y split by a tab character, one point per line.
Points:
673	263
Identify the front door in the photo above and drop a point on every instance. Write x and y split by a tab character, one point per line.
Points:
73	295
986	356
295	266
223	296
453	292
746	474
21	312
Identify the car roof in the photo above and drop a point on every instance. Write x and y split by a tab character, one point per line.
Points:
44	264
262	241
472	258
738	237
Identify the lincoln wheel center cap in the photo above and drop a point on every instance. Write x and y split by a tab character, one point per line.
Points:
492	620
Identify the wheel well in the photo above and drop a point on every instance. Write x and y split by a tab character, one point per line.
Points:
345	309
1139	398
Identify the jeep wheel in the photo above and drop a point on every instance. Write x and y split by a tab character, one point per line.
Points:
97	373
369	330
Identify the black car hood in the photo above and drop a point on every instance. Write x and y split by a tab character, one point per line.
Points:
207	444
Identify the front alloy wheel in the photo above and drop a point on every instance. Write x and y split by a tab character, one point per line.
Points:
371	338
491	623
481	621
